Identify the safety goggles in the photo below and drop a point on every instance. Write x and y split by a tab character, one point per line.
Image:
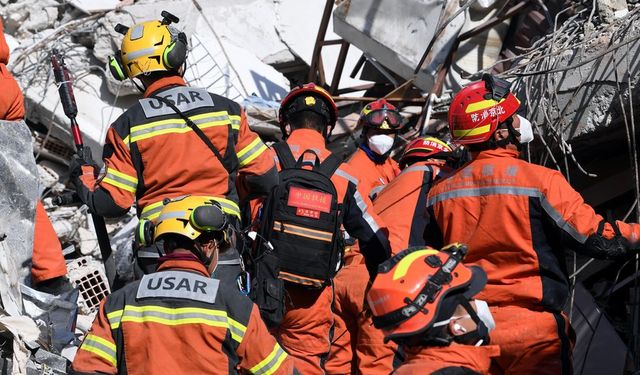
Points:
378	117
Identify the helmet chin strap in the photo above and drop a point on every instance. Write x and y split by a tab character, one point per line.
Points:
511	139
142	90
202	257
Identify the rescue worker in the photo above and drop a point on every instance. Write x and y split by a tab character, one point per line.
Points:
178	320
422	299
48	269
402	203
516	218
152	152
381	122
357	346
307	115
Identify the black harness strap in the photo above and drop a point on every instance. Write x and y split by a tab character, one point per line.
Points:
199	132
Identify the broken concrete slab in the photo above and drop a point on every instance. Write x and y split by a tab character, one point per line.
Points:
94	6
480	51
389	33
297	25
23	329
582	81
18	196
247	23
51	361
612	9
122	243
58	312
253	76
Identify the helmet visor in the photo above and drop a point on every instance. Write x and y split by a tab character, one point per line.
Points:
378	117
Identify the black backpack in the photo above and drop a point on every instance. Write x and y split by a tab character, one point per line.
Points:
301	218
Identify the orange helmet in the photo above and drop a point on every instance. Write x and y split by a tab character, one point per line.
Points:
380	114
308	97
478	109
426	148
420	286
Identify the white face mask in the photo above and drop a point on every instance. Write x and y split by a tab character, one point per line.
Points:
380	143
526	131
482	309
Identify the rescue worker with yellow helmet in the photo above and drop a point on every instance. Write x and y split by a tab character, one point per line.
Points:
422	299
176	140
517	218
179	320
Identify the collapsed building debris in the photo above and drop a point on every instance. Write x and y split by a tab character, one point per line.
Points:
578	82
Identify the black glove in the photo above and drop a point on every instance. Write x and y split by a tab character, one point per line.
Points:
80	160
599	247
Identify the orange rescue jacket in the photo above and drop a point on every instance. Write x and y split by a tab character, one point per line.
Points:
402	205
372	176
516	218
150	153
179	321
359	219
11	100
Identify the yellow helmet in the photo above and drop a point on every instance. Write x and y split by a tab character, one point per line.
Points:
150	46
190	217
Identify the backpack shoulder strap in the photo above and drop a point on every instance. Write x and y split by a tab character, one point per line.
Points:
329	166
285	156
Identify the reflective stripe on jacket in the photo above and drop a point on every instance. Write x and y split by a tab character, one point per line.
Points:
402	205
372	176
179	321
150	152
359	219
516	218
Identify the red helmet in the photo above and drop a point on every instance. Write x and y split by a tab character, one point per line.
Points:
380	114
420	286
478	109
426	148
304	98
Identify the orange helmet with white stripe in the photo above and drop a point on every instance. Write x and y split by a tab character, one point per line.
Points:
478	109
420	286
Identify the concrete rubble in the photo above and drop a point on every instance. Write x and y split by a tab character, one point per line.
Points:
577	80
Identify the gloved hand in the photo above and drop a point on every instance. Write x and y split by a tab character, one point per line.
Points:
82	164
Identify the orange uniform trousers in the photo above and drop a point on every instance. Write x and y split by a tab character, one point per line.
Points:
306	327
357	347
429	360
47	259
531	342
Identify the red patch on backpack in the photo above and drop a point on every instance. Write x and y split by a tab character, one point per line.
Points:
309	203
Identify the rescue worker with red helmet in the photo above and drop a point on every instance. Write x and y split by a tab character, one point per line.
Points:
381	122
516	218
422	299
307	115
179	320
357	344
176	140
48	269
